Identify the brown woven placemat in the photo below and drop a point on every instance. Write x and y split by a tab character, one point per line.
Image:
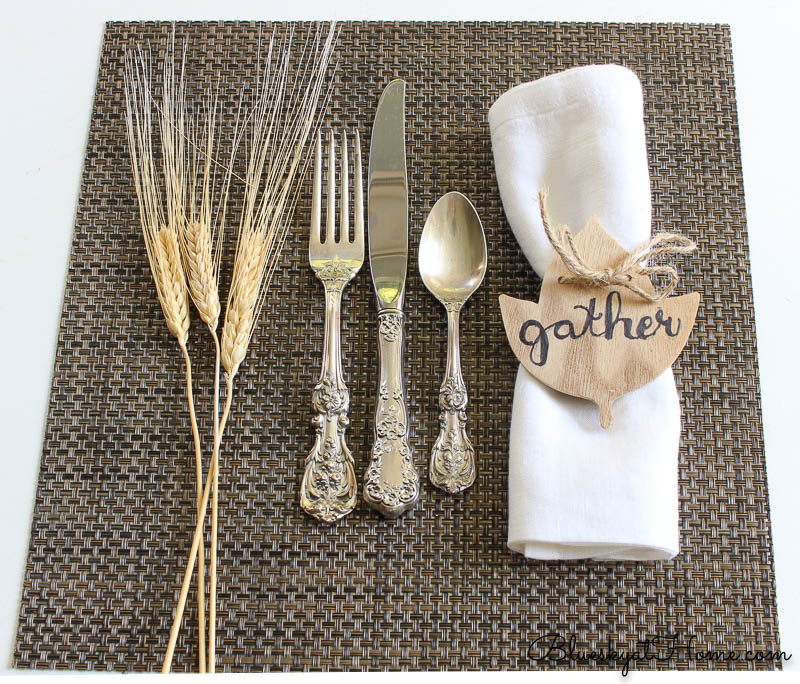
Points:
437	588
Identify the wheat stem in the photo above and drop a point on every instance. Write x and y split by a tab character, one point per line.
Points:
201	571
212	623
198	533
187	577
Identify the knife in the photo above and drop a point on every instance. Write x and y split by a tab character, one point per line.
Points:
391	484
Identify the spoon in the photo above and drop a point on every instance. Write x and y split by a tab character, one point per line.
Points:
452	263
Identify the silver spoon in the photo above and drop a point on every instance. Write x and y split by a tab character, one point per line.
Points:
452	263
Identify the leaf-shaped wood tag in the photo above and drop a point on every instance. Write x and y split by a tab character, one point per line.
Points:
597	343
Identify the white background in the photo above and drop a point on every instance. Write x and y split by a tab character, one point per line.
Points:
49	55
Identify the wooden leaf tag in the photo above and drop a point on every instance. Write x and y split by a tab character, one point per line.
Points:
597	343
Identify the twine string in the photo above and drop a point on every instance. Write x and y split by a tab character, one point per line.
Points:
637	263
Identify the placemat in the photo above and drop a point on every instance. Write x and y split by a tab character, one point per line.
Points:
437	588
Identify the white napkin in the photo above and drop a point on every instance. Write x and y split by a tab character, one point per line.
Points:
577	490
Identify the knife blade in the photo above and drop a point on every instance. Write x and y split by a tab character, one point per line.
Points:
391	484
388	198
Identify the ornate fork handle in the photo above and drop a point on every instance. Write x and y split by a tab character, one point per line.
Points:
391	484
328	491
453	457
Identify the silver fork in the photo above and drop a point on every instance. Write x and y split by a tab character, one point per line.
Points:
328	491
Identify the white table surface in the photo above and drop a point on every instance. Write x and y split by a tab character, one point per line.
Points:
50	53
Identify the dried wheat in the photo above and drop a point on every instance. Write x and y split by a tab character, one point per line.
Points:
161	200
284	115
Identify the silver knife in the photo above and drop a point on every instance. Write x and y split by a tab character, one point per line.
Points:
391	484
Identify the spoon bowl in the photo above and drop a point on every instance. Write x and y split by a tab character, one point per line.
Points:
452	250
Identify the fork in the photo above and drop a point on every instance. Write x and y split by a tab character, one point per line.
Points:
328	491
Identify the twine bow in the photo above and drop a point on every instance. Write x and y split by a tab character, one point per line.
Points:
621	275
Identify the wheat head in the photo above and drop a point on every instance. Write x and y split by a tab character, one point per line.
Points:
172	285
201	271
284	115
159	222
202	231
240	315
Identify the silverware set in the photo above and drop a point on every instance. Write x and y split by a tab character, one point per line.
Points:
452	263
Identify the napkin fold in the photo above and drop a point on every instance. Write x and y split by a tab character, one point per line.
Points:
577	490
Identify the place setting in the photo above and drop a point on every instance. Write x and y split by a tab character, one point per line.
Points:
410	354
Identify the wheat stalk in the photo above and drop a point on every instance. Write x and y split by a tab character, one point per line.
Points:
162	218
202	240
280	126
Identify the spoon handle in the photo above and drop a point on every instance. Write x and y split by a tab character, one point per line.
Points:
391	484
453	458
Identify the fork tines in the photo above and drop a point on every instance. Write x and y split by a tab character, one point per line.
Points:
342	235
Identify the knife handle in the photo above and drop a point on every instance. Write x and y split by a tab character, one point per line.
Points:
391	484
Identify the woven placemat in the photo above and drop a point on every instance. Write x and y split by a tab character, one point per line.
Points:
437	588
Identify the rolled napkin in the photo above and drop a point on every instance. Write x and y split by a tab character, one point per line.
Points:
577	490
